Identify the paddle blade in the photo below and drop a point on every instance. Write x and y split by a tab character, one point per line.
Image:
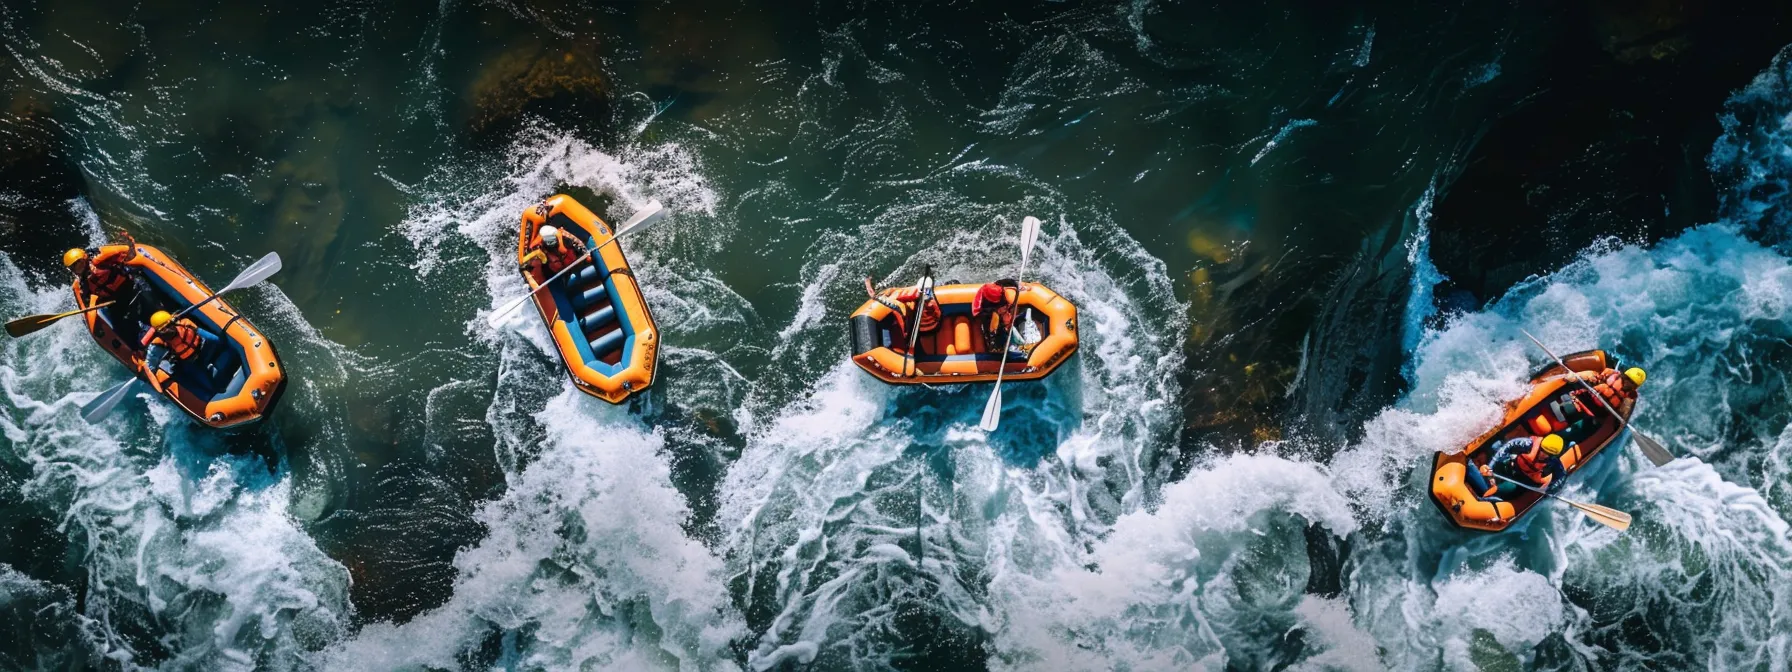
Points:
992	411
101	406
502	314
1656	453
1612	518
255	273
30	324
1029	233
643	219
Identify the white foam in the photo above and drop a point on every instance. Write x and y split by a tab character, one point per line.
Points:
1163	590
584	565
169	529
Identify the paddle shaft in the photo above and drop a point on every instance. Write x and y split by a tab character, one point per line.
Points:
1611	517
88	309
922	289
1003	369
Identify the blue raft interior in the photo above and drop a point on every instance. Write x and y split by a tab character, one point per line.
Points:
587	307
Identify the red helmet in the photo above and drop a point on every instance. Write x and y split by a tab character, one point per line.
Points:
993	293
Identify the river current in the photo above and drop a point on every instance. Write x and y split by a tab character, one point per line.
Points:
1229	475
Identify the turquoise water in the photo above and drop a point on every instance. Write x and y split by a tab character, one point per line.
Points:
1252	209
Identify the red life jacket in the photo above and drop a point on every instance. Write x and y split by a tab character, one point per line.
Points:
560	256
183	343
980	304
1001	314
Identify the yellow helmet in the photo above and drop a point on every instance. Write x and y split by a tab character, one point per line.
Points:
160	319
1552	444
74	255
1635	375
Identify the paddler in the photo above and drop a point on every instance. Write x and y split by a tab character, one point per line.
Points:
901	301
105	274
181	339
1618	389
1576	415
552	251
993	309
1537	459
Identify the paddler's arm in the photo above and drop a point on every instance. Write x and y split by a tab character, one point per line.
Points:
533	259
152	360
1500	454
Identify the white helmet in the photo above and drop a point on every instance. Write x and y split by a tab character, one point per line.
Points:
550	235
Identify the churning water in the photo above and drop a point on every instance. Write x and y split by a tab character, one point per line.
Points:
435	495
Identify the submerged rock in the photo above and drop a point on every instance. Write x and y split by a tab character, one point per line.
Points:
560	81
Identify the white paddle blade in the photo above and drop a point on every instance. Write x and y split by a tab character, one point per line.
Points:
101	406
992	411
255	273
1029	233
646	217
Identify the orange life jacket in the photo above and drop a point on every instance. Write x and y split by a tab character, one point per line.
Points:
106	275
183	343
1611	386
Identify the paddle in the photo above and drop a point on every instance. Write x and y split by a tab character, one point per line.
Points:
922	289
101	406
641	220
1612	518
992	411
1651	449
33	323
254	274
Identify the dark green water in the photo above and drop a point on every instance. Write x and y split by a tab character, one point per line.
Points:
1287	227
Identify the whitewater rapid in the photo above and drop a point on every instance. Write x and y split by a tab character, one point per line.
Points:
859	526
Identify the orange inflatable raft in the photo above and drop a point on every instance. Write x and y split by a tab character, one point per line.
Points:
1454	497
236	380
955	352
596	313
